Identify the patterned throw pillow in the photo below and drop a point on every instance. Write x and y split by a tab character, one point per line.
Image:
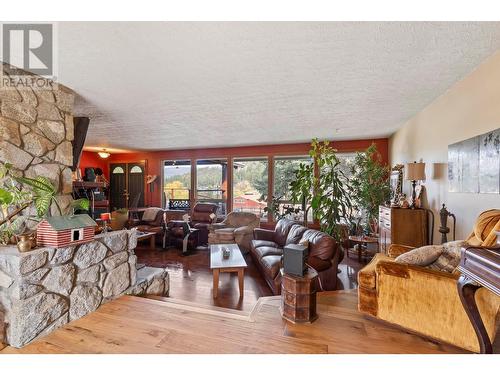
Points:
422	256
449	260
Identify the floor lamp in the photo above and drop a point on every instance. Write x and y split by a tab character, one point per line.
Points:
415	172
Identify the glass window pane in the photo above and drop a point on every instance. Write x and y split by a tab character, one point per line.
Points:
250	185
118	170
284	168
177	182
346	161
136	169
211	182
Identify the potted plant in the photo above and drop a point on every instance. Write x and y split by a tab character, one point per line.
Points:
369	185
326	191
17	194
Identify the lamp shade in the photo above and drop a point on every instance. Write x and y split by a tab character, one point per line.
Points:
415	171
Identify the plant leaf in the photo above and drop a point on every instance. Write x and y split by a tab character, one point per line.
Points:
5	197
81	204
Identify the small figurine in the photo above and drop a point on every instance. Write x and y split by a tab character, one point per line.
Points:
403	201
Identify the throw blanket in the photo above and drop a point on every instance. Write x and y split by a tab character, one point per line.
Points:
484	231
150	214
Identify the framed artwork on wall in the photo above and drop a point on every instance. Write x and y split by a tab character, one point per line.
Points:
474	164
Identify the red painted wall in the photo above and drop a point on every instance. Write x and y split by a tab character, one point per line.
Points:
154	159
92	160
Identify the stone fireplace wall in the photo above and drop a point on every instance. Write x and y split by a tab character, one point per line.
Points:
45	288
36	130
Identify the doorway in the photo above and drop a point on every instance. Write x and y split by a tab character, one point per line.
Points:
126	185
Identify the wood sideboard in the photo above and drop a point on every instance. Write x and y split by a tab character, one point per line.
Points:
402	226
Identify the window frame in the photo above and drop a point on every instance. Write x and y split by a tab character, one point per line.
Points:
194	181
162	192
268	160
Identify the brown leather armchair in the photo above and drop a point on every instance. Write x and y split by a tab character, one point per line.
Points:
180	234
267	249
201	220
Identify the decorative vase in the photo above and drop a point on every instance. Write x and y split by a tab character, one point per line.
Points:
374	226
25	243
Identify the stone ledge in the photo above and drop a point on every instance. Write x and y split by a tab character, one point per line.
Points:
45	288
151	281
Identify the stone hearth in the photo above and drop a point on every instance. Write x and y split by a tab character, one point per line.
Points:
46	288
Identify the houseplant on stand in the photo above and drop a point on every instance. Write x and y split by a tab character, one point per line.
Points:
369	185
327	191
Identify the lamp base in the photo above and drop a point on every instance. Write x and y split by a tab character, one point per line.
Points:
413	195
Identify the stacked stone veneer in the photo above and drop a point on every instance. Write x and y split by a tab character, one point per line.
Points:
36	130
43	289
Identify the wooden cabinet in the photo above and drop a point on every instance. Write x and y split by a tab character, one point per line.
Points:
402	226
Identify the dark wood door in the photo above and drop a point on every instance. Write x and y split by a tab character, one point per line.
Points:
135	184
127	185
118	186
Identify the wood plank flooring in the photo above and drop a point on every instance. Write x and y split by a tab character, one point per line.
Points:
191	278
141	325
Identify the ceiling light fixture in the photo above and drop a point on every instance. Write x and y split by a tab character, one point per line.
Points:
103	154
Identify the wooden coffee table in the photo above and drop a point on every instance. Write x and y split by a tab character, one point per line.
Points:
235	263
143	236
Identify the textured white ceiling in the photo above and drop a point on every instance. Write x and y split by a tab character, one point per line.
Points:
187	85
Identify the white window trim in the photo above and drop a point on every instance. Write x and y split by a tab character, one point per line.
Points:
80	230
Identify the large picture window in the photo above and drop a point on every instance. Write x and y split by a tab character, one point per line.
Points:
284	168
250	185
211	182
177	183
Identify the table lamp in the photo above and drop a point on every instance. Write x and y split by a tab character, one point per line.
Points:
415	172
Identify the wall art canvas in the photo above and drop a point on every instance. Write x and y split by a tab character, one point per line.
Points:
489	162
474	164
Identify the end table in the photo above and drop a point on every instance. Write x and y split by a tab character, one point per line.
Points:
298	297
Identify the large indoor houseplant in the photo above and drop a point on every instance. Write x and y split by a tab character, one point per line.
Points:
323	188
369	186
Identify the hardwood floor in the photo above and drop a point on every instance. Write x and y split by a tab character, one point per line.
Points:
191	278
142	325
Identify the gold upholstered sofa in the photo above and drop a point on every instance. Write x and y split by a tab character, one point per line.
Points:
426	301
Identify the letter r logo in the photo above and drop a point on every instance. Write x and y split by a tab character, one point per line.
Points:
29	46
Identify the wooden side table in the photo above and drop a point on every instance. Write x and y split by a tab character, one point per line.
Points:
480	267
362	241
298	297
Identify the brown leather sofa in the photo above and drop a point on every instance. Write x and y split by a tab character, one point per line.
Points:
267	249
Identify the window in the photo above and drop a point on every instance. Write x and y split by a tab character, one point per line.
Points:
136	169
250	184
177	183
118	170
346	161
76	234
284	168
211	182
